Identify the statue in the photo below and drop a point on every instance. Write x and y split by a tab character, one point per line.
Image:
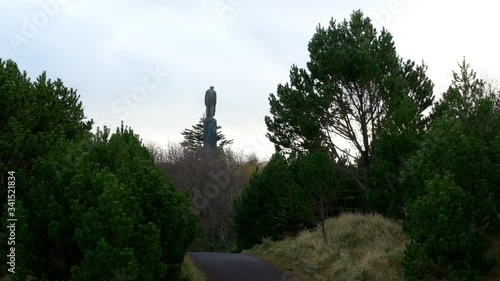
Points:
210	101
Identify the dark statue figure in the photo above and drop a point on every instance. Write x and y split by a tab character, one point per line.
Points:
210	124
210	101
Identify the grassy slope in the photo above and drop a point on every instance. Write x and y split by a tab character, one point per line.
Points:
190	272
494	251
360	247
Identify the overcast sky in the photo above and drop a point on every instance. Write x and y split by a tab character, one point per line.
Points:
149	62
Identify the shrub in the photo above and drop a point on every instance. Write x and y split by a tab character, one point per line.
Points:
445	243
102	210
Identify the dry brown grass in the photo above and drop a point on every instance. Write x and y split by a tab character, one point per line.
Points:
494	252
360	247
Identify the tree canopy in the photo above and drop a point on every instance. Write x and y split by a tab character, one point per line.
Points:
34	115
353	81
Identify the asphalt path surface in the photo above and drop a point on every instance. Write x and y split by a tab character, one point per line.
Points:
237	267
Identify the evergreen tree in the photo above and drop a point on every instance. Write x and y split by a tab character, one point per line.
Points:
271	205
443	244
102	208
193	138
90	207
323	181
462	145
353	81
34	116
463	95
398	139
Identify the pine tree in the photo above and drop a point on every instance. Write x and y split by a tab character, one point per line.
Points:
193	138
444	245
323	181
102	209
33	116
353	81
271	205
451	184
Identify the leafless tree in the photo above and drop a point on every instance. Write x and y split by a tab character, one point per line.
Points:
213	184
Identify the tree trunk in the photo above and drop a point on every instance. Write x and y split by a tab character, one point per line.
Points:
322	218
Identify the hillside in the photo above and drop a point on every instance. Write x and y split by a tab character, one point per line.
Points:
360	247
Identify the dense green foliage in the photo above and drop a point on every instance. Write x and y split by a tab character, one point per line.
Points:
323	181
356	87
271	205
447	220
464	144
397	141
33	116
89	207
444	245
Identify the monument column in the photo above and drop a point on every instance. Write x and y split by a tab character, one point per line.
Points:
210	124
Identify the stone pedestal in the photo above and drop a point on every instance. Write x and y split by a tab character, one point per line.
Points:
210	135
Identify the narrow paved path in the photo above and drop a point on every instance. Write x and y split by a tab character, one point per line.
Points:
237	267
